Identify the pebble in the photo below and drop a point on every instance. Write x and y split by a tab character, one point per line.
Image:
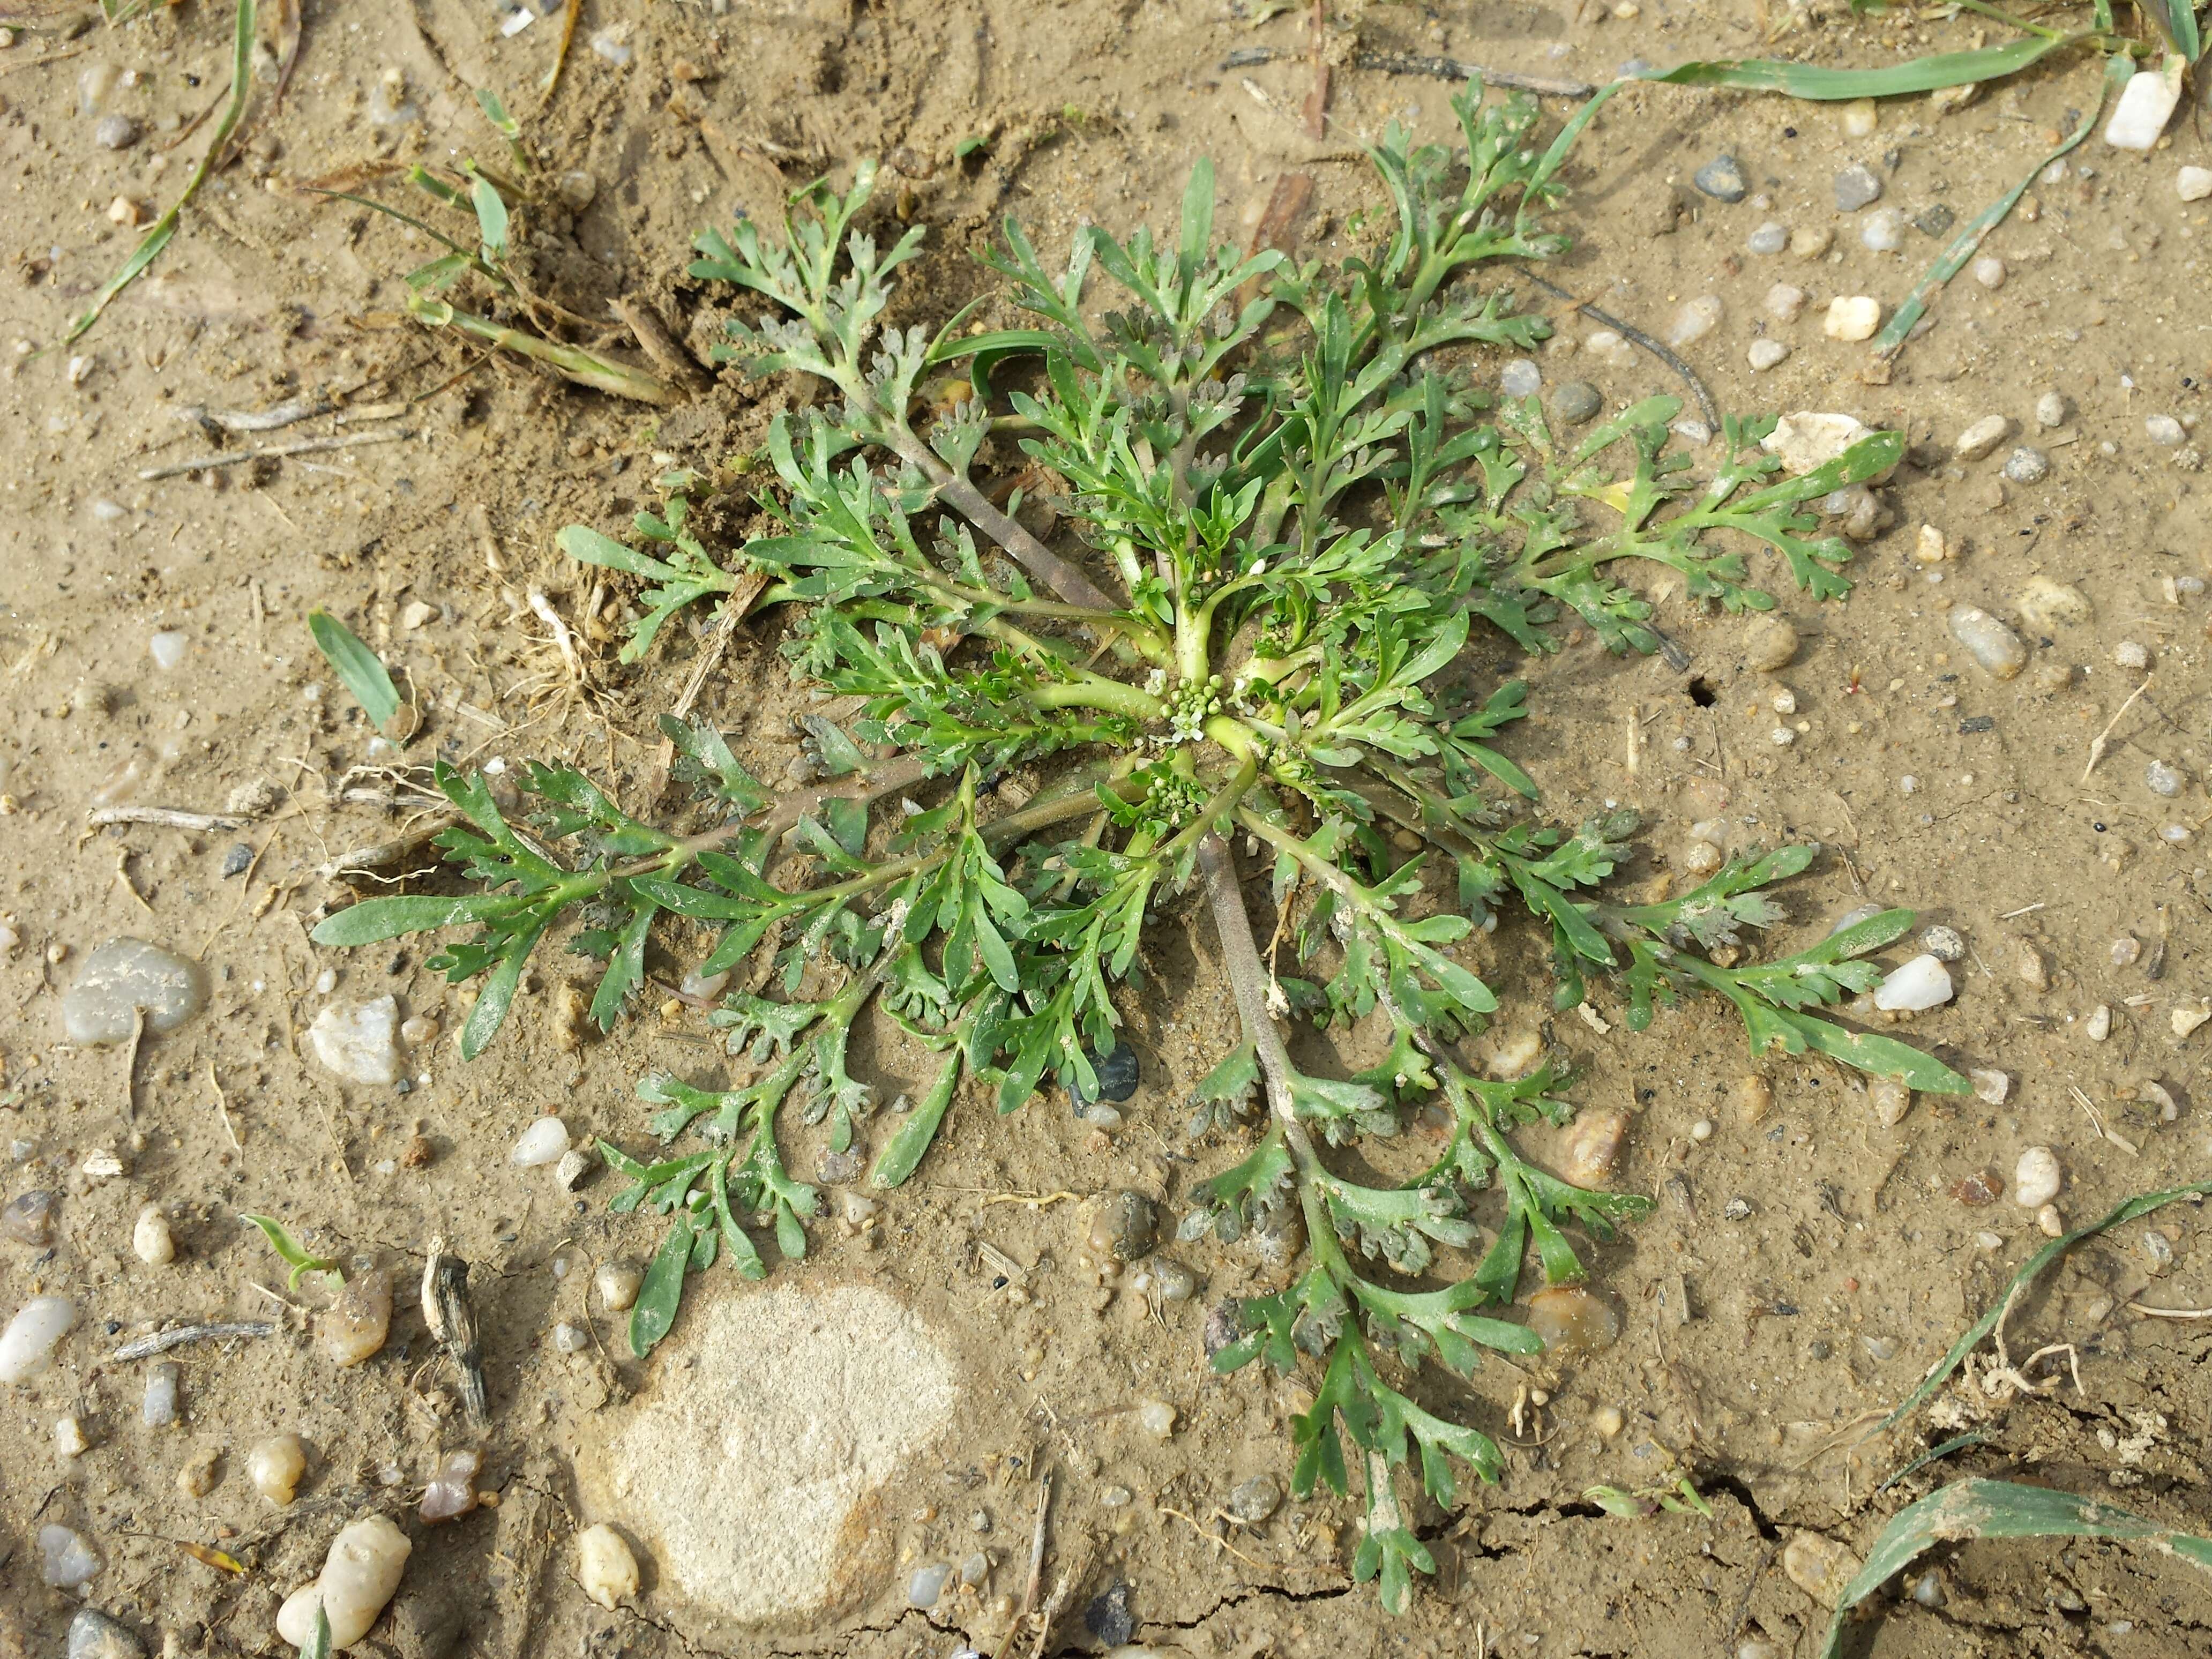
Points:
1253	1501
1982	437
2193	184
1811	241
618	1283
1176	1282
2052	408
1572	1321
115	132
1519	378
167	648
575	1164
2183	1021
1157	1417
1819	1567
1755	1098
2161	779
452	1491
1883	232
1609	349
1701	858
2146	105
1982	1188
2027	466
1721	178
1991	1086
29	1219
150	1239
123	976
1593	1142
1126	1226
1772	237
275	1466
2035	969
1989	271
1609	1421
2046	603
1696	319
197	1478
1935	220
68	1437
2036	1178
359	1576
1891	1101
1853	317
237	859
927	1584
1860	118
2163	431
570	1338
2132	653
1857	186
1770	643
359	1041
1575	402
158	1410
1702	1130
1784	301
543	1142
2158	1249
26	1347
2050	1222
68	1559
577	189
358	1320
1929	1591
1765	353
94	1635
1115	1498
2125	950
1994	646
1118	1075
1921	983
1944	944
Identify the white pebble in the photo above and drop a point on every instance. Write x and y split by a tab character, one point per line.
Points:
326	982
707	986
1922	983
1860	118
1520	379
543	1142
1991	1087
1982	437
2049	1222
2052	410
1989	271
1930	547
2000	651
2098	1025
605	1566
1765	353
1784	702
575	1164
2132	653
2161	779
357	1041
158	1408
1884	230
150	1240
1770	238
1702	1129
617	1283
26	1347
570	1338
1157	1417
1609	349
1696	319
1784	301
275	1466
2163	431
68	1437
1782	736
359	1576
2145	107
2036	1179
67	1559
167	647
1853	317
2194	184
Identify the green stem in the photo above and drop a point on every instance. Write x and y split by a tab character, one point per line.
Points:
570	362
1095	691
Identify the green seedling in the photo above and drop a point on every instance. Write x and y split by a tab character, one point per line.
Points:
359	668
1291	516
1676	1498
294	1255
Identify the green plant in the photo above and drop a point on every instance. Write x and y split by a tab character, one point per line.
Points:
1304	513
294	1254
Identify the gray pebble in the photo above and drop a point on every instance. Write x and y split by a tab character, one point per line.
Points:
115	132
30	1219
1928	1592
1254	1500
1881	1348
2162	779
1721	178
159	1409
2052	410
2027	466
123	976
1944	944
975	1570
2159	1248
1574	402
1520	379
1856	187
1935	220
94	1635
237	859
927	1584
1125	1227
1992	644
1770	238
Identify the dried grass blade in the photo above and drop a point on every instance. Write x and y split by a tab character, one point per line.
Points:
1948	68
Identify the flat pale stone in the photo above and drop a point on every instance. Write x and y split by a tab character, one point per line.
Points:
2145	107
358	1041
123	976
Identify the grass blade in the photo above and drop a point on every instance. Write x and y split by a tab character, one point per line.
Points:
318	1645
1998	1509
164	228
1948	68
295	1256
1891	338
358	668
2177	20
2143	1204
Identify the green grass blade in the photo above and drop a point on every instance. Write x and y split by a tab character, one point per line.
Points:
1893	337
358	668
296	1256
318	1645
164	228
2177	20
1948	68
1977	1508
2141	1205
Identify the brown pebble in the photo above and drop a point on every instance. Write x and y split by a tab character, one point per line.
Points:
2035	969
29	1219
418	1154
1593	1143
359	1319
1572	1321
1983	1187
1819	1567
1755	1098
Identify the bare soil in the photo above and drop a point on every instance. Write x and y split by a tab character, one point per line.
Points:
1800	1273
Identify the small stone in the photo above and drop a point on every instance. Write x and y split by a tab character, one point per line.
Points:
1701	858
2126	950
1991	1086
1999	650
577	189
1857	186
115	132
2163	431
1575	402
1721	178
158	1409
359	1572
2193	184
150	1239
1765	353
1156	1419
237	859
2052	410
1593	1142
2145	105
1609	349
1811	241
1982	437
617	1283
1251	1502
1174	1282
1108	1617
29	1219
1519	378
167	647
94	1635
1770	643
1944	944
1784	301
196	1476
2045	603
570	1338
1853	317
2027	466
1696	319
1117	1073
1983	1187
2050	1222
2184	1020
1935	220
1989	271
1921	983
1891	1101
1883	232
1513	1053
275	1466
2132	653
2037	1178
1772	237
358	1320
1755	1098
119	980
927	1586
1125	1227
69	1438
357	1041
575	1164
2162	779
67	1559
543	1142
1819	1567
2033	968
452	1491
608	1571
26	1347
1115	1498
2158	1249
1859	118
1571	1321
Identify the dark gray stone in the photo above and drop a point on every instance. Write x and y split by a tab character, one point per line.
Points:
1574	402
1723	179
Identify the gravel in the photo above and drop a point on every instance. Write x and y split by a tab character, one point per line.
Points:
1575	402
1853	317
115	132
2027	466
1520	379
1770	238
1857	186
1721	178
1999	650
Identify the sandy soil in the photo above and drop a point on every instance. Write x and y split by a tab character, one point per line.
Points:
1758	1337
